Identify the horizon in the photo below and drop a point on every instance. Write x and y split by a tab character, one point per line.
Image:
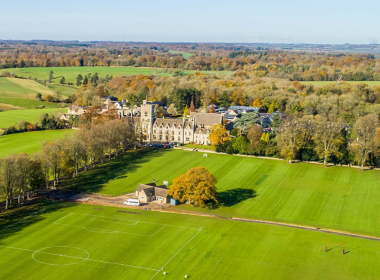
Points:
275	21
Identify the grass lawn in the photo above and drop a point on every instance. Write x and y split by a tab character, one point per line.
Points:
70	73
199	147
28	142
66	91
334	197
325	83
52	239
9	118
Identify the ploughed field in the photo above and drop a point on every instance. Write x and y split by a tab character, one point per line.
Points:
29	142
334	197
54	240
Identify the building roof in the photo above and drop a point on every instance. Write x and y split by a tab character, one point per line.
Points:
110	97
243	108
152	190
207	119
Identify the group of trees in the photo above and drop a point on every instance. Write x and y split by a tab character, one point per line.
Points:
317	139
45	121
64	157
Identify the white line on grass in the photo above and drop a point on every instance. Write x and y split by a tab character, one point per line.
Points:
158	230
162	268
85	259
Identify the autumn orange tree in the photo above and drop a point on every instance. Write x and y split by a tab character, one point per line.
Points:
218	135
196	186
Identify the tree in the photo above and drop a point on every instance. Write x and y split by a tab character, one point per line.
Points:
159	111
218	135
8	177
326	135
51	75
257	103
367	140
287	138
212	109
273	107
224	100
38	96
240	144
79	80
48	98
172	110
276	121
192	106
196	186
246	121
186	111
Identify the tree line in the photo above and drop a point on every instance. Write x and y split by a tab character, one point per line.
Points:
64	157
317	139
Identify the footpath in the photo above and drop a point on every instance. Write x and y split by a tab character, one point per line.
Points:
118	201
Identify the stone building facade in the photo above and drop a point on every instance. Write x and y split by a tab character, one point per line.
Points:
195	128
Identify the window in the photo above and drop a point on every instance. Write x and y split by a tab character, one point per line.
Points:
142	197
146	114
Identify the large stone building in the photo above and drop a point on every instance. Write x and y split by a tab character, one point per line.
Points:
195	128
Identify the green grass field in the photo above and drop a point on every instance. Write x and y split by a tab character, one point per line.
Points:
27	103
28	142
334	197
46	240
9	118
70	73
185	55
325	83
199	147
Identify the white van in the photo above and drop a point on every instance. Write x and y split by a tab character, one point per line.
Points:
132	202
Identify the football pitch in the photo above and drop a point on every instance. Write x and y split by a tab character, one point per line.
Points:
335	197
54	240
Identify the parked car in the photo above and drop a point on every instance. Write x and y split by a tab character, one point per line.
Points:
132	202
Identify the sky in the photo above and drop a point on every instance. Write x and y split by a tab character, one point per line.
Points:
233	21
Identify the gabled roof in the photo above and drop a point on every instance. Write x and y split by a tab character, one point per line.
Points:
207	119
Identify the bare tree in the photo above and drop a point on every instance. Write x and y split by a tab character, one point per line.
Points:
326	136
366	141
288	135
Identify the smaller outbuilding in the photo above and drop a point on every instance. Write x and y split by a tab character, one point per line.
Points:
151	192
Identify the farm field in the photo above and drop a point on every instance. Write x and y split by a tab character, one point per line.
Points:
80	241
28	142
334	197
325	83
21	88
185	55
70	73
9	118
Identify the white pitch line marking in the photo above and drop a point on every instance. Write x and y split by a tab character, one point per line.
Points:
85	259
162	268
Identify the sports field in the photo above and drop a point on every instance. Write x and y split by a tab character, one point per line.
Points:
9	118
49	240
70	73
325	83
334	197
28	142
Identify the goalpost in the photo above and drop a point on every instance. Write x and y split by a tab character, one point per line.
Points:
343	244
